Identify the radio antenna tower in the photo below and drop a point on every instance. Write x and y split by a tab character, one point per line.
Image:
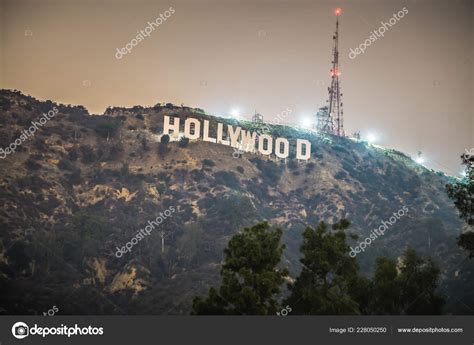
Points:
330	119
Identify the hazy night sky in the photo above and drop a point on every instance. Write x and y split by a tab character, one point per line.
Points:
413	87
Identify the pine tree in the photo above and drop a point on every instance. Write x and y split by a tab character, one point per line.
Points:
328	275
251	278
408	287
418	281
385	294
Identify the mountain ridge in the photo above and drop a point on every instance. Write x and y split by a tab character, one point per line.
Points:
86	183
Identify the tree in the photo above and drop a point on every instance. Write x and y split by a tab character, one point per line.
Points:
163	146
165	139
88	225
385	294
328	276
406	287
462	192
418	280
107	127
251	278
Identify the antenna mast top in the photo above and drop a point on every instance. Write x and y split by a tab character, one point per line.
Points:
332	120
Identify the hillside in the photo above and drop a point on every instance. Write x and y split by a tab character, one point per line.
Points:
84	184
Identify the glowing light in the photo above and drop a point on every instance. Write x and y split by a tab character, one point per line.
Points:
235	112
338	11
419	160
371	138
464	173
306	122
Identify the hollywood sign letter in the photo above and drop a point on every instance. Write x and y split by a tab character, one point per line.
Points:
237	138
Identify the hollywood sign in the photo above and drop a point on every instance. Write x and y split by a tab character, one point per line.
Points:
236	137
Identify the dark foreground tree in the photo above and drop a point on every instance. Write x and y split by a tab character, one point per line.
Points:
251	278
418	281
406	287
385	293
329	274
462	192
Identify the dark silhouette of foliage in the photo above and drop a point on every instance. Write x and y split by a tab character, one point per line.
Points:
183	142
165	139
462	192
208	162
417	282
31	164
163	146
107	127
88	154
328	274
251	278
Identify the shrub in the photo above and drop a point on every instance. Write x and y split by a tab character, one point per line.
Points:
183	142
5	104
208	162
75	177
40	144
227	178
165	139
65	164
197	175
270	171
32	164
107	127
88	154
115	152
340	175
340	148
240	169
292	164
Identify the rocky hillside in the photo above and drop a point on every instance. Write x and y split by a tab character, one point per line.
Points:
83	185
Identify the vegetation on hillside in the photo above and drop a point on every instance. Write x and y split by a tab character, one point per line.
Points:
329	283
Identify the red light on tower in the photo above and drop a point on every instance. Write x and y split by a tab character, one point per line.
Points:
338	11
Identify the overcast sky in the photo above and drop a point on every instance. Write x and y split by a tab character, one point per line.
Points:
413	88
